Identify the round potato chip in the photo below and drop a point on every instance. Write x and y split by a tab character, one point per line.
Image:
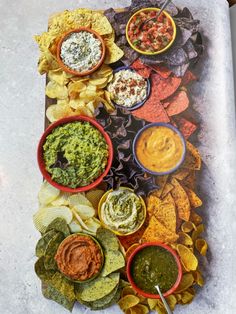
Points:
75	226
187	257
93	224
79	199
62	199
45	216
54	90
128	301
47	193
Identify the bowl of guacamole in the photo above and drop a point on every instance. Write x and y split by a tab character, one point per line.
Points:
75	154
154	263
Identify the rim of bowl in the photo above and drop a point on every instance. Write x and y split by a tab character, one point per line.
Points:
169	126
41	162
103	199
74	72
139	104
101	250
162	50
170	250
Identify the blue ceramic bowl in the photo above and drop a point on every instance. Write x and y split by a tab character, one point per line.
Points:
167	126
138	105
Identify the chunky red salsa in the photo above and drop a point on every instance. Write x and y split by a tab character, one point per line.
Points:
153	36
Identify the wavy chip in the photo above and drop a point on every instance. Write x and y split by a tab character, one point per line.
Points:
47	193
128	301
202	246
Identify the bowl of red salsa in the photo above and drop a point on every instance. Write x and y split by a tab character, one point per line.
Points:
154	37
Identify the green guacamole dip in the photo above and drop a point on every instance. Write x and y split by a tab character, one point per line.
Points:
154	265
75	154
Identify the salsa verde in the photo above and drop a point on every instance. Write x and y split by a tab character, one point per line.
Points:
154	265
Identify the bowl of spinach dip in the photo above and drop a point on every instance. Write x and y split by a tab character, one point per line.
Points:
154	263
75	153
81	51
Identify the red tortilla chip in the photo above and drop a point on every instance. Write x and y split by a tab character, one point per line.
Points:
152	110
186	127
145	72
178	104
188	78
165	87
163	71
137	65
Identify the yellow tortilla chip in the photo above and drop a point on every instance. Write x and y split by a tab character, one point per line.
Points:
165	213
167	189
100	24
181	200
194	200
113	53
180	174
187	257
152	203
161	182
193	158
158	232
202	246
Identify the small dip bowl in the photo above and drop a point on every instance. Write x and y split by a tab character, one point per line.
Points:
41	161
100	249
70	70
175	132
139	104
173	260
157	51
103	200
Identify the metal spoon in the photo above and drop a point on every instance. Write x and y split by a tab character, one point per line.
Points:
165	4
163	300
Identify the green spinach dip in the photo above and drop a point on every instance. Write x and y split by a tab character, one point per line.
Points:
75	154
154	265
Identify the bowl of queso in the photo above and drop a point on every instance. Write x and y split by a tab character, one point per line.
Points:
159	148
81	51
151	264
154	37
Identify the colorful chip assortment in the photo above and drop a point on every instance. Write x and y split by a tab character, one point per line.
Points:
172	201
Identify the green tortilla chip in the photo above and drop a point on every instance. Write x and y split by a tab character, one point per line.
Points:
107	239
51	250
43	242
59	224
114	260
63	285
40	270
104	302
51	293
97	288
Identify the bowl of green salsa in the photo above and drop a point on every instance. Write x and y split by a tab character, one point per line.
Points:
151	264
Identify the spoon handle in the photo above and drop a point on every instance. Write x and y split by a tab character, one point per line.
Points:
164	301
165	4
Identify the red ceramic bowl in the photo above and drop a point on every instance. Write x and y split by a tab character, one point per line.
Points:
143	293
41	162
74	72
